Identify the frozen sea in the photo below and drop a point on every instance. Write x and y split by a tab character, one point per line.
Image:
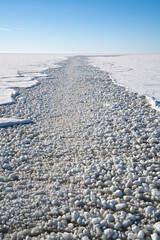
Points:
139	73
23	70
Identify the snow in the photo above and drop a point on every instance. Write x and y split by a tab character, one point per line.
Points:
23	70
139	73
8	122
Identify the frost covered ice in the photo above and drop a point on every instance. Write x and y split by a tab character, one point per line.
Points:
8	122
139	73
88	168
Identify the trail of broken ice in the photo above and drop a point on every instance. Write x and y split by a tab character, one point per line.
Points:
88	168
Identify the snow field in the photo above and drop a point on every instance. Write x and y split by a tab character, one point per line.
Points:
139	73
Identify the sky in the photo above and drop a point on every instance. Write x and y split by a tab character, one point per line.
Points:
80	26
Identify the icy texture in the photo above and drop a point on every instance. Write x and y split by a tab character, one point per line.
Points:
140	73
89	166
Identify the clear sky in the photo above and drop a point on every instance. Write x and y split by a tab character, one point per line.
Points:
80	26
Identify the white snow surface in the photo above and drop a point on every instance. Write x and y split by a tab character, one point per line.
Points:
139	73
23	70
8	122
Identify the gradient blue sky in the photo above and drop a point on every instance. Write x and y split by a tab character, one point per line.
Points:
80	26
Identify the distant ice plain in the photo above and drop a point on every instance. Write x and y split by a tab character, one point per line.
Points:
137	72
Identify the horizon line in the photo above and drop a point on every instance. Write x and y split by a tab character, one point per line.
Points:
82	53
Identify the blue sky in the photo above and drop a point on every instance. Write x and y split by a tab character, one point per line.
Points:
80	26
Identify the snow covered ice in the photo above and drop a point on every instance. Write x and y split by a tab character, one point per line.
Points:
7	122
139	73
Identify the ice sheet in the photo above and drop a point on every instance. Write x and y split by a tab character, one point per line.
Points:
140	73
